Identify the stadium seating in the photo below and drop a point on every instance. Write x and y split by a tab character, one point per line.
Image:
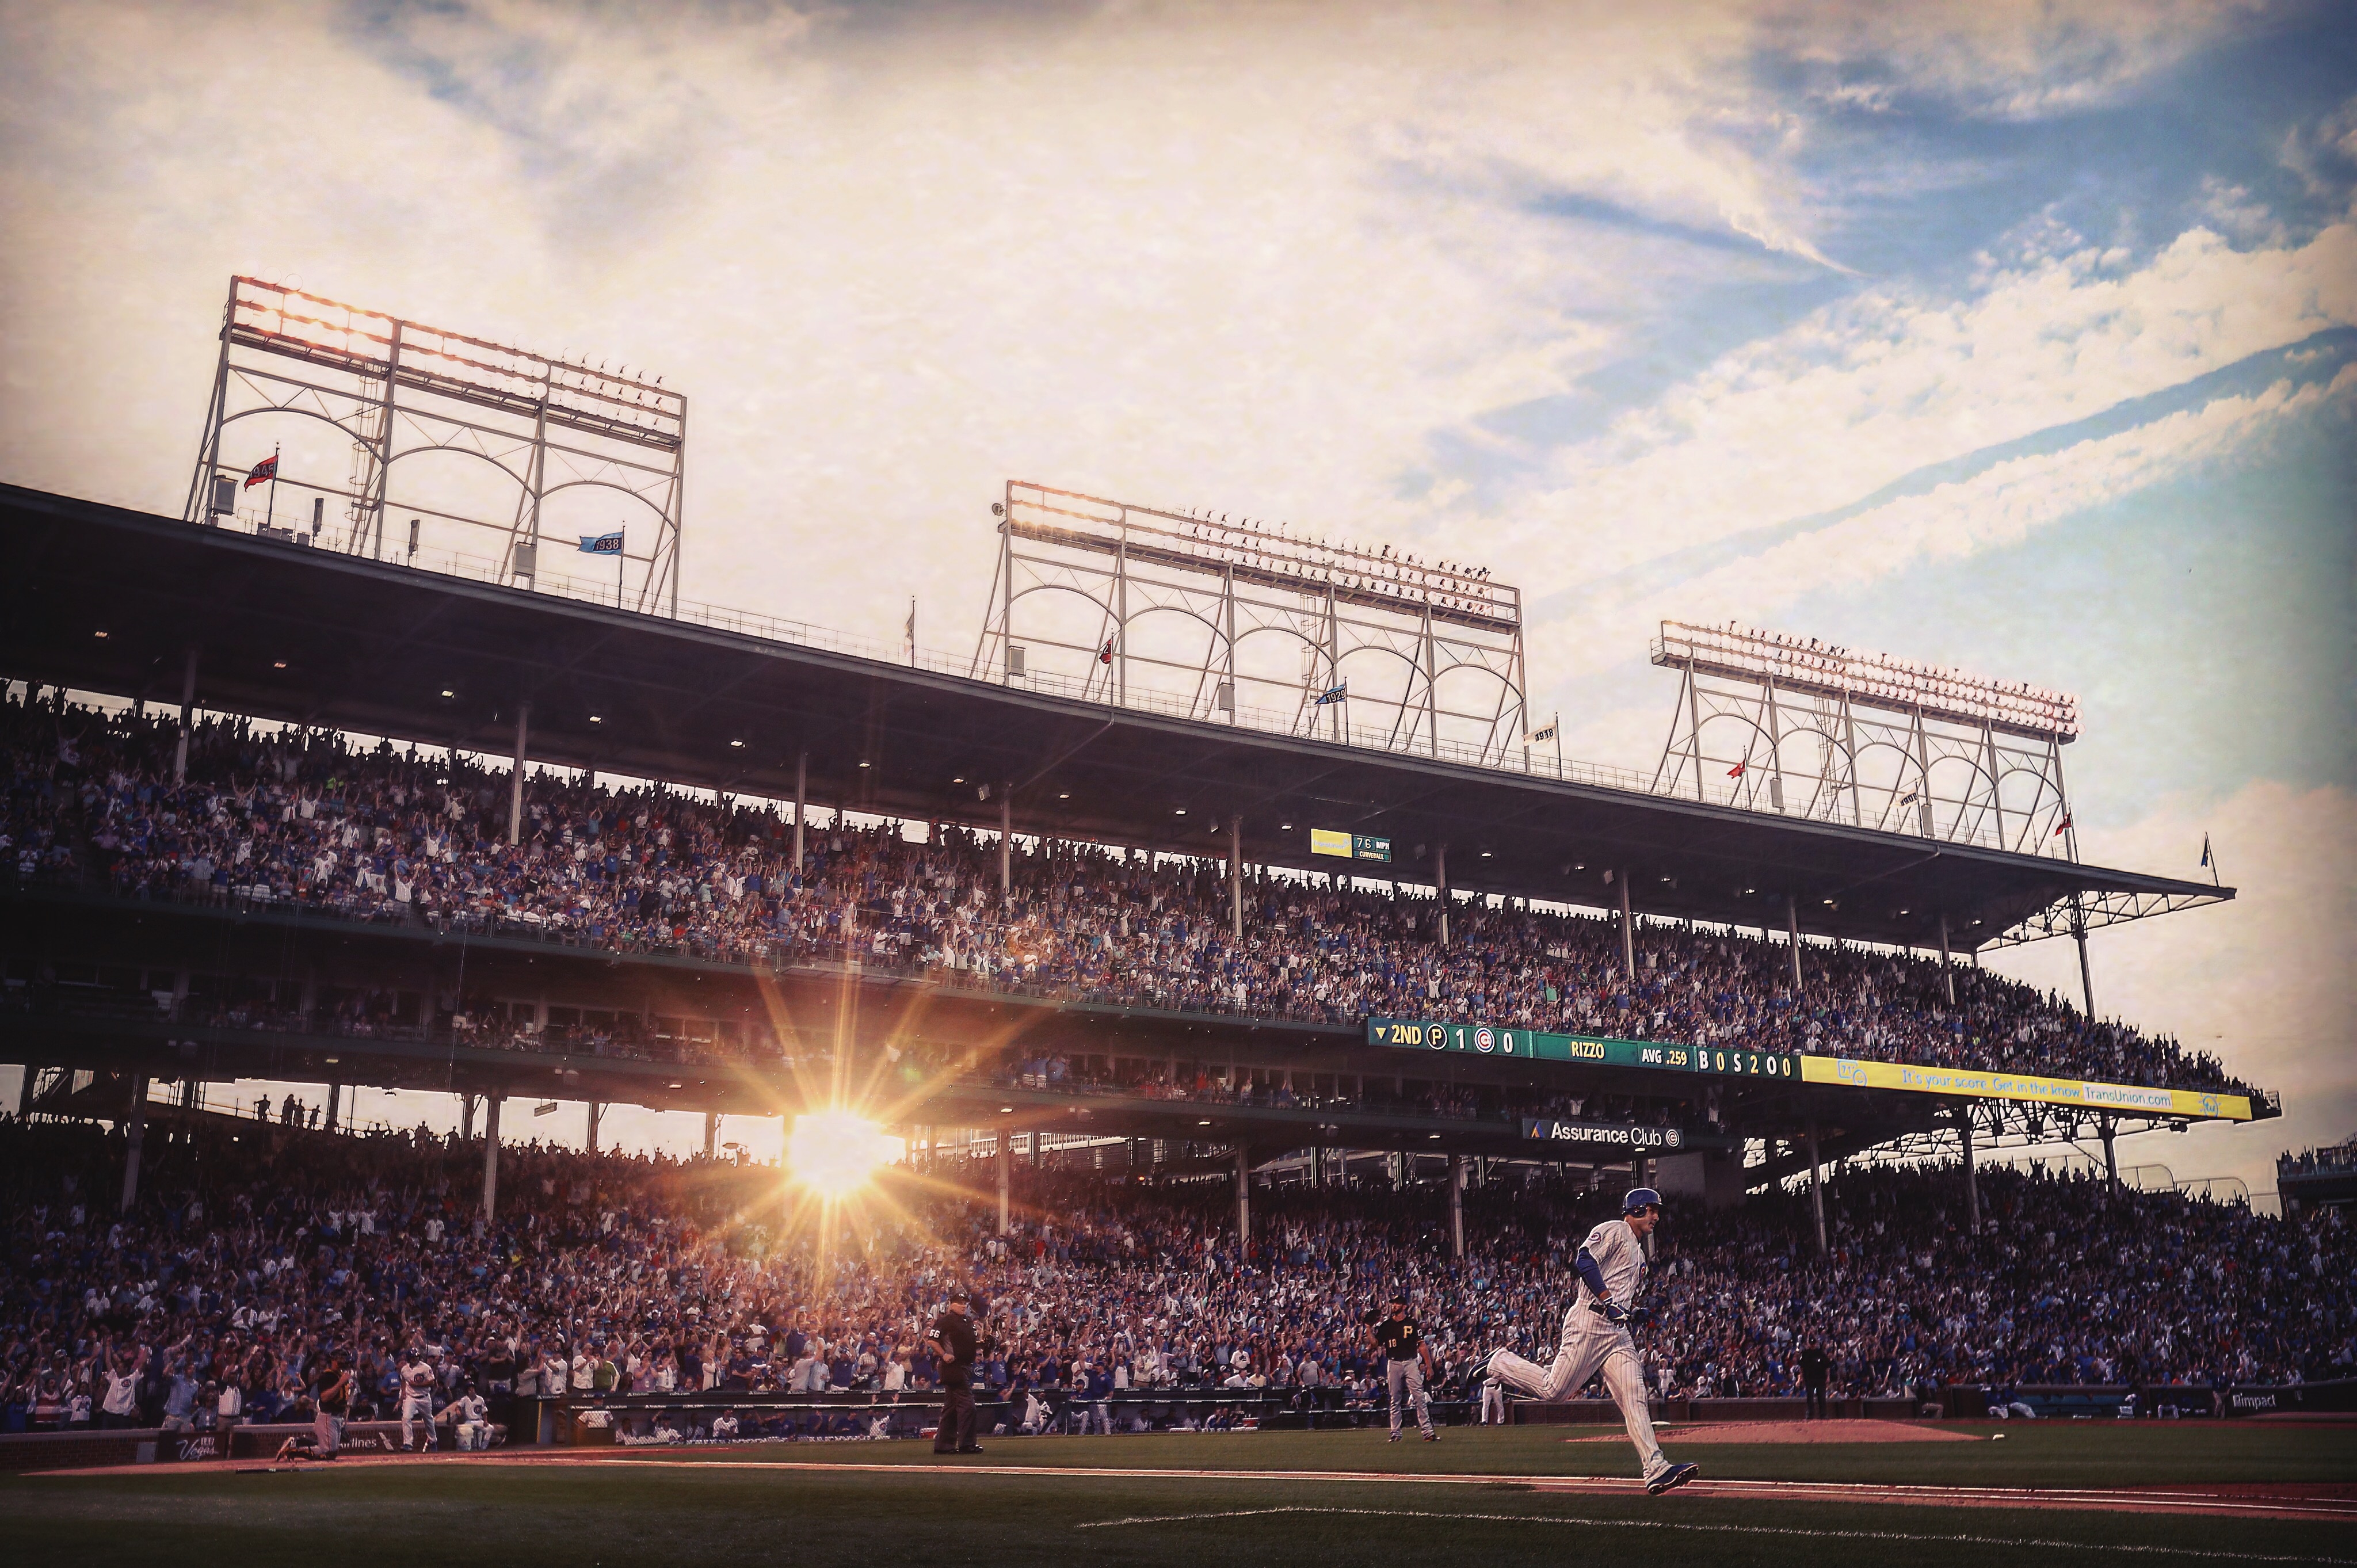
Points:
390	836
259	1248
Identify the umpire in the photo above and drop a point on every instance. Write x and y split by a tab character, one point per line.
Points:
954	1345
1814	1365
1407	1362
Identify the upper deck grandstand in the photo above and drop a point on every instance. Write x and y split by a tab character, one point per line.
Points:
1089	914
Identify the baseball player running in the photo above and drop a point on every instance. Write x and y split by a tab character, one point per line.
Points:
1407	1361
1612	1264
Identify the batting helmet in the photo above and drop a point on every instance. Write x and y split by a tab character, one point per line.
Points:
1640	1197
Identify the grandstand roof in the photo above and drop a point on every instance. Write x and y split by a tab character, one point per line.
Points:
292	633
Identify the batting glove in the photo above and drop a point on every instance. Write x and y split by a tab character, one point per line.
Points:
1611	1311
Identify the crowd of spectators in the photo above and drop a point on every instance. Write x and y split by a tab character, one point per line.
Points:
259	1252
387	834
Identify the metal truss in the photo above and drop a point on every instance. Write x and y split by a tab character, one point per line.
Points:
523	429
1139	607
1747	735
2084	912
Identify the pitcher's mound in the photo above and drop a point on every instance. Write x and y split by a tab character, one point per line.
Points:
1794	1432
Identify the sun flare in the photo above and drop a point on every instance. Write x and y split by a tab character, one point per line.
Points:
835	1152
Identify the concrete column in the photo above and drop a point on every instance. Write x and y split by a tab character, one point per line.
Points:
711	1133
590	1142
1244	1193
135	1133
1947	969
1236	878
1972	1176
1456	1206
1628	931
802	804
466	1118
515	778
491	1156
1817	1189
1441	877
187	715
335	1104
2111	1155
1006	842
1005	1181
1792	932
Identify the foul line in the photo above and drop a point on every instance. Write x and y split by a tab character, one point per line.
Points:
2022	1541
2071	1499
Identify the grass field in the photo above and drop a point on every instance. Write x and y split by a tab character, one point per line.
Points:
1371	1504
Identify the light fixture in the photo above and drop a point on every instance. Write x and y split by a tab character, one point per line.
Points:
1182	811
100	635
1202	1123
332	1060
1285	827
1485	854
447	692
863	762
1006	1110
275	664
679	1086
740	743
595	719
1435	1135
1065	797
959	779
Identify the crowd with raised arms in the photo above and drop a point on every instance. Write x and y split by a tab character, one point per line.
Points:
261	1255
387	834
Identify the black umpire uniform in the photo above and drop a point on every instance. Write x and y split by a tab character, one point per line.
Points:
1814	1365
955	1344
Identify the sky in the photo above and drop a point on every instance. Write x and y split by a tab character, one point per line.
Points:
2019	337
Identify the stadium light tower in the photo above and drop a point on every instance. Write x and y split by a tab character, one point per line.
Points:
487	437
1195	614
1769	720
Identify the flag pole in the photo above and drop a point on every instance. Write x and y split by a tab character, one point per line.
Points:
270	502
1558	745
621	561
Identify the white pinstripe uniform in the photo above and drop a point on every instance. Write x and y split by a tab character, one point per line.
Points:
1591	1344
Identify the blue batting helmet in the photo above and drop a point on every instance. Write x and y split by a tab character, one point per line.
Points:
1640	1197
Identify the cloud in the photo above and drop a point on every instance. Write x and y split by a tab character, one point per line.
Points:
2267	982
1682	502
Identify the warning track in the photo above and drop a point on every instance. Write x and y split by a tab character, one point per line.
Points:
2244	1501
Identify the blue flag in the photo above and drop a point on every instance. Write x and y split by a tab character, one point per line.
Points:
1334	693
602	544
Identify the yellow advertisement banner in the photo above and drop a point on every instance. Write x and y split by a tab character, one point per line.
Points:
1984	1085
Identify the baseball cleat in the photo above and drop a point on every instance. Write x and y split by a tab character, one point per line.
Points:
1676	1475
1394	1437
1432	1437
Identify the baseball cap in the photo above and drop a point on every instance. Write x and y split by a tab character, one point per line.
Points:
1640	1197
963	1295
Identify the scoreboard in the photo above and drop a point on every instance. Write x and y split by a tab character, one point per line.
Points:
1530	1045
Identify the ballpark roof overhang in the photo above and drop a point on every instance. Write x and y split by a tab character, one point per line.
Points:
286	632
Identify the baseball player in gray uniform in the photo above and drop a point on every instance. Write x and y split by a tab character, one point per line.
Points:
1612	1264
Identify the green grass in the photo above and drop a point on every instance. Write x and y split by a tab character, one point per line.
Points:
585	1514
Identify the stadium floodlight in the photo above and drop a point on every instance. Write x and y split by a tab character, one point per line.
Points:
1127	602
1874	739
549	429
1878	680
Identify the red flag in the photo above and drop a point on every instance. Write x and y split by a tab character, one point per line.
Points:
1737	771
1104	654
262	472
2063	826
